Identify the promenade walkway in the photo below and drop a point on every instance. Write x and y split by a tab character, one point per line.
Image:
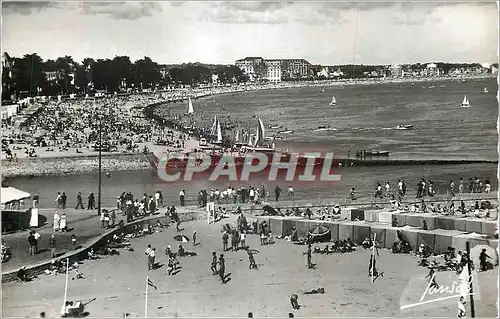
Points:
85	224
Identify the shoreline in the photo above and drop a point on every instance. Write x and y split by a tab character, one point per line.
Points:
60	166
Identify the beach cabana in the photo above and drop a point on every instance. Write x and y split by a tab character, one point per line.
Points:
427	238
459	241
11	194
401	218
411	236
473	225
413	220
445	222
391	236
459	223
361	231
371	216
443	239
488	227
380	231
430	220
281	226
385	217
346	230
302	227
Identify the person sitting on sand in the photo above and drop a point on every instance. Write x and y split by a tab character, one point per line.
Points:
366	243
315	291
181	252
22	275
92	254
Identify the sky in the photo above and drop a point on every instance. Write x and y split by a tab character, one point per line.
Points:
326	32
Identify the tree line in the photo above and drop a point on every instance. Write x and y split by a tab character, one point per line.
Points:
30	75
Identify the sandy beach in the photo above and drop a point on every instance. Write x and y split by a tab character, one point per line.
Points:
118	283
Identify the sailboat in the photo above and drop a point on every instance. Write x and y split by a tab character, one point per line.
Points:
214	126
219	134
465	102
190	109
485	90
259	139
333	102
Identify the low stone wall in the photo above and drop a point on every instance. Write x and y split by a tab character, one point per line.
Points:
73	165
99	241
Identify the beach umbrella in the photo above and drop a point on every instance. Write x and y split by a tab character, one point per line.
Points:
320	233
491	252
270	210
181	238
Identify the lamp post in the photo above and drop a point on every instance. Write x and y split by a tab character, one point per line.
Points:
100	167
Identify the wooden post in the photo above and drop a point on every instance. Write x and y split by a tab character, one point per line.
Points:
469	281
66	285
373	254
146	301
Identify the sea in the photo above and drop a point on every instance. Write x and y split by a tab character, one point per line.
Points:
365	118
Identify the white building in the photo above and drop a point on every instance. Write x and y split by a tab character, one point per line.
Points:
273	70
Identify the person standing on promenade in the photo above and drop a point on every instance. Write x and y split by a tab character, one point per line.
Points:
291	193
91	202
31	242
73	241
452	188
487	186
182	195
52	245
57	219
461	186
277	192
113	218
63	224
225	238
58	200
64	199
79	203
35	200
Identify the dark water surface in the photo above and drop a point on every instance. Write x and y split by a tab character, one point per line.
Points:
362	178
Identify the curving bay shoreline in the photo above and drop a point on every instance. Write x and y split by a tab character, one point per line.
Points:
72	164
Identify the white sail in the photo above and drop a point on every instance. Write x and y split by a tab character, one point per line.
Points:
260	133
237	138
214	126
334	101
219	133
465	102
190	110
249	139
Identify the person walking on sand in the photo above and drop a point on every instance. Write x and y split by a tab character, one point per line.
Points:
251	259
52	245
37	240
213	265
64	199
222	268
57	219
194	238
79	203
242	240
147	253
309	256
31	242
294	300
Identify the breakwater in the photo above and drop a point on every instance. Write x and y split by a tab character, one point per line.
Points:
398	162
73	165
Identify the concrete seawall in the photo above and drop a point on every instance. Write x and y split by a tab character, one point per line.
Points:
99	241
73	165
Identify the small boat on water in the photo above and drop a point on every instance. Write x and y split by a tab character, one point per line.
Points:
404	127
377	153
465	102
485	90
333	102
285	132
273	127
324	128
